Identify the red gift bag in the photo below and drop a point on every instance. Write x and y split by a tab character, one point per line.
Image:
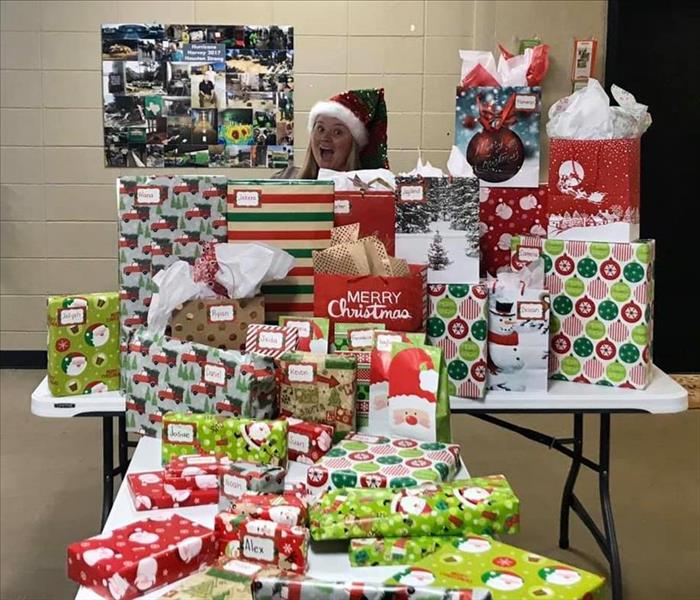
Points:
594	189
398	302
374	210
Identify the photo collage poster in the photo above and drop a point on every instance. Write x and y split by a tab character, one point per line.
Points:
198	95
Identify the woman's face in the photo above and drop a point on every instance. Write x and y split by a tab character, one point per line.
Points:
331	142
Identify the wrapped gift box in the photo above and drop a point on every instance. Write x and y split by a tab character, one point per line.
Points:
319	388
241	439
164	374
376	461
196	464
484	505
295	215
503	214
506	571
458	324
83	344
313	333
298	587
235	480
307	441
141	557
262	541
602	308
271	340
437	222
287	508
218	322
151	490
375	552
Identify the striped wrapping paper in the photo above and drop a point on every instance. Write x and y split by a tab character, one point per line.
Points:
295	215
271	340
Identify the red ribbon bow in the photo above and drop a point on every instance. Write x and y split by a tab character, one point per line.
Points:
206	267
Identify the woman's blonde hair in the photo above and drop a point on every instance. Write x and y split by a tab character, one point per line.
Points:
309	169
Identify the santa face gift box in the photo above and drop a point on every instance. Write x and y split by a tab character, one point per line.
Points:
602	308
458	324
152	490
294	215
506	571
163	374
375	461
242	440
83	344
287	508
484	505
235	480
319	388
375	552
141	557
263	542
437	222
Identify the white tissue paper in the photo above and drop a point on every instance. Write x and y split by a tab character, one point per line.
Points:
513	71
243	268
471	58
587	115
423	170
457	164
364	179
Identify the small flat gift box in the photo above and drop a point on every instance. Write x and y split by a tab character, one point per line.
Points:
150	490
141	557
288	508
307	441
235	480
271	340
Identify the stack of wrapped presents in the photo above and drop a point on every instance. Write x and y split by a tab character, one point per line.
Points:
261	323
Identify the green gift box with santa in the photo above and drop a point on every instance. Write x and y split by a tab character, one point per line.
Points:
241	439
506	571
377	552
83	343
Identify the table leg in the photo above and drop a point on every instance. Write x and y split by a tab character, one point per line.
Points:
568	495
107	467
123	447
606	507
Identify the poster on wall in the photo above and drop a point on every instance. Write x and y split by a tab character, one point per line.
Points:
198	95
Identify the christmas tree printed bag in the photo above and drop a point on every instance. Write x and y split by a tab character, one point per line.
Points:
437	222
419	402
83	344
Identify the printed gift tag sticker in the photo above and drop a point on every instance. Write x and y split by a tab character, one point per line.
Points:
148	195
301	373
214	374
243	568
412	193
199	460
384	341
258	548
220	313
341	207
271	340
298	442
360	338
180	433
525	102
303	327
247	198
528	253
234	486
531	310
72	316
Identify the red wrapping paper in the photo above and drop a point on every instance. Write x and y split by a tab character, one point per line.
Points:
141	557
263	542
150	490
306	441
287	508
374	210
196	464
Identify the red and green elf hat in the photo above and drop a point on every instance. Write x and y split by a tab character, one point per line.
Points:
364	113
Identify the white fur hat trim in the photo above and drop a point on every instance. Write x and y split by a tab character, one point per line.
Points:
343	113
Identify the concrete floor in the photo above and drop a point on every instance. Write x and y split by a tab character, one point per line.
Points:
50	473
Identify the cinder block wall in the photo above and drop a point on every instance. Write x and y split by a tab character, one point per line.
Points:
58	210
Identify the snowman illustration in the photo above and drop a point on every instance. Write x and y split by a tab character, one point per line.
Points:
97	335
571	176
504	581
560	575
73	364
415	577
505	362
413	386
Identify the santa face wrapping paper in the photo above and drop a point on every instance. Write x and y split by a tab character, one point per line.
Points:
312	333
287	508
418	398
498	130
504	213
218	322
295	215
163	219
141	557
297	587
83	344
594	189
264	542
307	441
602	308
483	505
162	374
506	571
151	490
196	464
379	363
376	461
437	222
376	552
458	324
241	439
319	388
236	480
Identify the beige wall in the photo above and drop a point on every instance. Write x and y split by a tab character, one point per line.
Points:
57	228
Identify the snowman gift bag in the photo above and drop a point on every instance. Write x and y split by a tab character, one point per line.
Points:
518	338
83	344
418	398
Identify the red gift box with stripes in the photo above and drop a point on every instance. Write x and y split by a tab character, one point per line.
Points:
271	340
374	210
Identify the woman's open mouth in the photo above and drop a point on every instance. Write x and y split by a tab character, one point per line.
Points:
326	154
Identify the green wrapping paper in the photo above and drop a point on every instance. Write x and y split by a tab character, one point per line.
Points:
241	439
376	552
507	572
484	505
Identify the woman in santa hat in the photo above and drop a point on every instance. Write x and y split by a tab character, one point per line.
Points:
347	133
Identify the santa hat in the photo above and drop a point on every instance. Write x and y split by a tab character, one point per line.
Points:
412	376
364	113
